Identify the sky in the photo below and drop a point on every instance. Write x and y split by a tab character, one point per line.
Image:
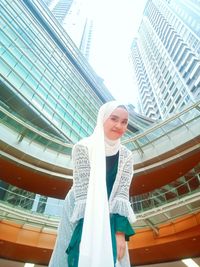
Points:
116	24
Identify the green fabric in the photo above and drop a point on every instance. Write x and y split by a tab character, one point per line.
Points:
118	223
73	248
111	171
121	224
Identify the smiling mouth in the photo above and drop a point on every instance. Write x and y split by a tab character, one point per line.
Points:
117	132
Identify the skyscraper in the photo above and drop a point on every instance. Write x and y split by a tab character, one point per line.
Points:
72	15
59	8
166	56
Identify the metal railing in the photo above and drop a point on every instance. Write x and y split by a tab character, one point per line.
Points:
186	188
171	192
164	128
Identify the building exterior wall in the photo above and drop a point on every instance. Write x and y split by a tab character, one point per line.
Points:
44	78
166	57
73	17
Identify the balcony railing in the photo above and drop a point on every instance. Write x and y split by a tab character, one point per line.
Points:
16	205
189	116
176	190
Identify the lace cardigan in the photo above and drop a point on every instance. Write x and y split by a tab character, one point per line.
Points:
75	201
119	198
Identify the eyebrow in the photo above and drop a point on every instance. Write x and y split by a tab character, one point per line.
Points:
115	116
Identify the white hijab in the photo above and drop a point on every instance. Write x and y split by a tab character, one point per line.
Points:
96	244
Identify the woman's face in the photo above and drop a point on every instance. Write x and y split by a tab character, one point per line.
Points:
115	126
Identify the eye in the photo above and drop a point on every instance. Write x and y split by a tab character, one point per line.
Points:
125	122
113	118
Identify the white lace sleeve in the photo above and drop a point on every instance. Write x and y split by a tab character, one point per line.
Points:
65	230
81	172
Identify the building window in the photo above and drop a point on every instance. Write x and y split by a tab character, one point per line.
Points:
178	99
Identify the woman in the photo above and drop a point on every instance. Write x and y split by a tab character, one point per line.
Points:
97	213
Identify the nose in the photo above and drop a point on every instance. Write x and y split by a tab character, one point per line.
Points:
118	125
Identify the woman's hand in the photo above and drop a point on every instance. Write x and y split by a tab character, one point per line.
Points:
121	245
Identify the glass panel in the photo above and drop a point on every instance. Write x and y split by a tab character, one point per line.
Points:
57	120
36	73
22	71
2	49
15	79
9	58
39	103
49	75
56	92
5	69
40	65
26	91
188	116
45	83
69	118
143	140
41	91
26	63
32	82
172	125
48	112
17	53
82	132
60	110
154	135
67	130
51	101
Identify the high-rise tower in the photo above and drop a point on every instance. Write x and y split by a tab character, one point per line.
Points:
166	56
72	15
60	8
